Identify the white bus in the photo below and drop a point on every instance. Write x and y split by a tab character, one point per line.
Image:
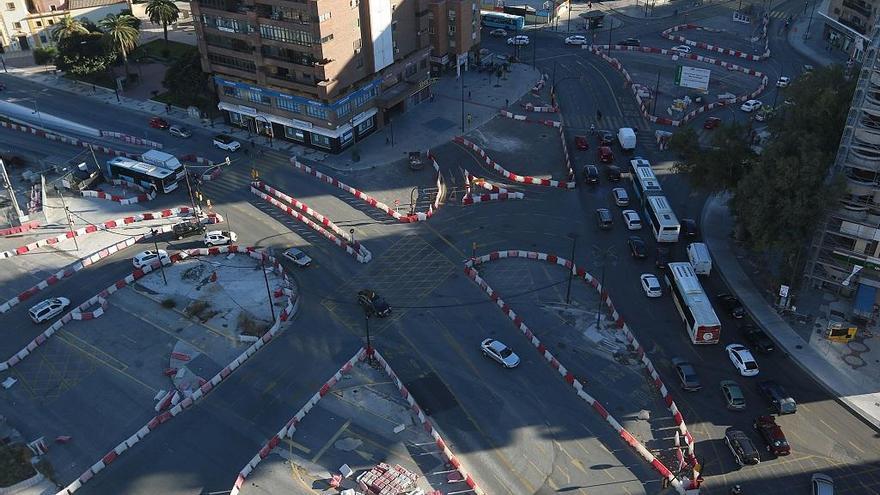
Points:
701	322
664	223
143	174
644	181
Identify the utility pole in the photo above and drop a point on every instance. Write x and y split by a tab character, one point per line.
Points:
461	75
571	272
192	200
263	256
809	23
610	30
601	256
656	90
369	344
568	24
155	234
67	214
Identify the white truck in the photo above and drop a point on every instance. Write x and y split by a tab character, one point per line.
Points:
162	160
698	255
627	138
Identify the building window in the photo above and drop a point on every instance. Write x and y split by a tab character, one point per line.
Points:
39	23
364	97
52	8
294	133
51	22
357	44
258	97
319	140
233	62
452	29
317	112
327	38
451	15
232	91
278	33
354	3
10	6
43	39
235	118
324	17
343	110
431	29
16	25
289	105
366	125
226	24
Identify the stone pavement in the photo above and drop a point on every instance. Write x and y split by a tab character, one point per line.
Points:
857	391
813	47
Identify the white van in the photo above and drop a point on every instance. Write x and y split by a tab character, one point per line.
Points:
698	255
627	138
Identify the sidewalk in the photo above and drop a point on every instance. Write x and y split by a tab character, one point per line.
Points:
635	9
856	392
814	47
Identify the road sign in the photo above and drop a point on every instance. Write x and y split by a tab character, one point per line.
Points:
692	77
783	291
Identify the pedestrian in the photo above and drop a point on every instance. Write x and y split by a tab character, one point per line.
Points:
598	114
167	108
469	118
469	94
387	141
506	103
432	97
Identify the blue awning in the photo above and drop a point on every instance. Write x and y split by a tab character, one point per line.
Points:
865	297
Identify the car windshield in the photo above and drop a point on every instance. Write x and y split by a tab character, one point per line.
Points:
506	352
751	365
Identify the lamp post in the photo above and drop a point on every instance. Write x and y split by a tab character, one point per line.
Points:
809	23
573	237
461	75
369	344
154	233
601	257
67	214
266	280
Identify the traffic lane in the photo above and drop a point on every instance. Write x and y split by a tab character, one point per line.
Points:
203	449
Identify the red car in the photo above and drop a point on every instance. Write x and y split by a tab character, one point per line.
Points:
772	435
158	123
711	123
581	142
605	154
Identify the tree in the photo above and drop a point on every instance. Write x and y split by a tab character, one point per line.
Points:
67	26
720	167
84	54
163	12
187	83
122	35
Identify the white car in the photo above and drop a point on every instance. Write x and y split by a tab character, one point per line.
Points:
298	257
179	131
727	98
518	40
499	352
651	285
48	309
498	32
148	257
632	220
681	49
219	238
750	106
621	198
742	359
576	40
783	82
227	143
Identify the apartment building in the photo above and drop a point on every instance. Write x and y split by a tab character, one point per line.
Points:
845	253
847	24
15	34
322	74
28	24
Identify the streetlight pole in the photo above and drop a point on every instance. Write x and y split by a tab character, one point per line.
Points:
266	279
155	234
809	23
369	344
461	75
67	214
568	24
599	305
571	272
610	30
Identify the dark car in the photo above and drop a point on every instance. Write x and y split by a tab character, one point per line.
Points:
606	138
637	247
689	228
591	174
687	375
159	123
613	173
757	339
604	218
777	397
741	447
630	42
661	257
186	229
605	154
772	435
711	123
731	305
373	303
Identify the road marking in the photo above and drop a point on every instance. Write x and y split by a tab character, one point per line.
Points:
63	338
832	430
444	239
330	442
94	351
297	446
607	82
157	327
181	313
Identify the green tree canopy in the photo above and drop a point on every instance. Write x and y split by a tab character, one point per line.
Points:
163	12
67	26
84	54
122	34
187	83
721	166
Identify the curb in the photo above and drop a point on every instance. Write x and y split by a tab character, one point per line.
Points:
132	139
569	378
726	51
140	198
496	193
570	184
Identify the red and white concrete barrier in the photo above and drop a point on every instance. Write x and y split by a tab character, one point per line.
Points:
415	217
283	202
495	193
132	139
144	196
540	108
524	118
90	229
20	229
524	179
470	271
186	402
66	139
718	49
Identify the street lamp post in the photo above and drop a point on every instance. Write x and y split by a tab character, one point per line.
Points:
67	214
369	344
809	23
266	280
601	256
154	233
573	238
461	75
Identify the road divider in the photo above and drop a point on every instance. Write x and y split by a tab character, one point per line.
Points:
496	193
524	179
143	197
667	33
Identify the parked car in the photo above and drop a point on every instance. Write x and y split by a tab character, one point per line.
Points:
807	68
681	49
227	143
742	448
661	257
146	258
689	228
777	397
606	137
637	247
47	309
630	42
750	106
730	304
756	338
612	173
783	82
576	40
651	285
180	131
591	174
158	123
373	304
687	375
822	484
631	219
605	154
298	257
711	123
518	40
733	395
581	143
621	198
727	98
742	359
604	219
499	352
220	237
186	229
772	435
499	32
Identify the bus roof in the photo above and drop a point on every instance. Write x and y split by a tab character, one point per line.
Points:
144	168
499	15
639	162
685	278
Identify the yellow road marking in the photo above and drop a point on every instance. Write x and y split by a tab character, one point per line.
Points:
330	442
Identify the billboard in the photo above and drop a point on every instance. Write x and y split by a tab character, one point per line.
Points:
692	77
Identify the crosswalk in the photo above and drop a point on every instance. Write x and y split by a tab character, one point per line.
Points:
778	14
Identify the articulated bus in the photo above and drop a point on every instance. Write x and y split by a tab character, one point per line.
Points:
644	181
701	322
664	223
509	22
143	174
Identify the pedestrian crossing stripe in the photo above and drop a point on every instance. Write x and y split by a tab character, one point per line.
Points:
778	14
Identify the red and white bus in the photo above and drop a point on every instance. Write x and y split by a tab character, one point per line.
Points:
693	304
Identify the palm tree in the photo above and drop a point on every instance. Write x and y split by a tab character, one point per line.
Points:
122	34
163	12
67	26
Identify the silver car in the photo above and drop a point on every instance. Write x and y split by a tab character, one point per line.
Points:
179	131
499	352
298	257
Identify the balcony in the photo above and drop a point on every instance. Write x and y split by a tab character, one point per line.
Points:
235	6
858	187
870	120
858	7
859	28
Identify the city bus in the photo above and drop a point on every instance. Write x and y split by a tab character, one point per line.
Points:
664	223
700	320
644	181
143	174
509	22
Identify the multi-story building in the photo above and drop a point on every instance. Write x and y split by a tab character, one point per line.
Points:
323	74
28	24
845	254
848	23
16	34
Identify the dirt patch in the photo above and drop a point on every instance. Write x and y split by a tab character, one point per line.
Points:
251	326
15	464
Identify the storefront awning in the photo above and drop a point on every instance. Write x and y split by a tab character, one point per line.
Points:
865	297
